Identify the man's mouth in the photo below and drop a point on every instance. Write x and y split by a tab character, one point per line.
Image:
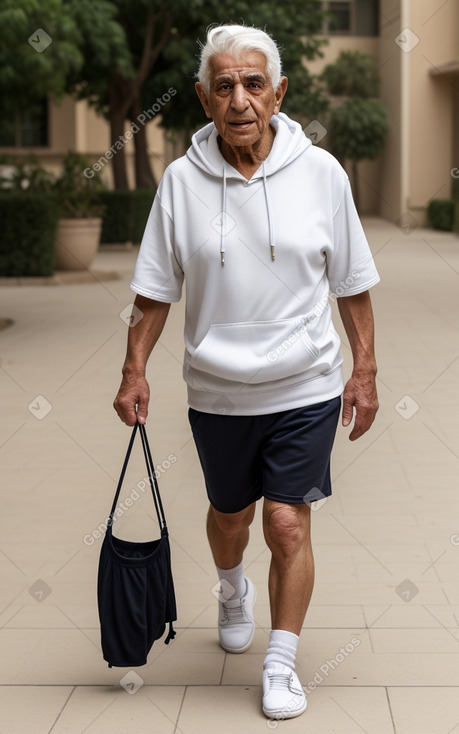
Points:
242	125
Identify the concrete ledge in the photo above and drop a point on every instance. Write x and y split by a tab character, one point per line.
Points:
68	277
116	246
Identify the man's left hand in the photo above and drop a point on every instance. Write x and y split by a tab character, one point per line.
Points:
360	392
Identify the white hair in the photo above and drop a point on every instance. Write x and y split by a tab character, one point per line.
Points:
238	40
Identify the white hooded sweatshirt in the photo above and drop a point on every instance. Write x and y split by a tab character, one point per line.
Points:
259	258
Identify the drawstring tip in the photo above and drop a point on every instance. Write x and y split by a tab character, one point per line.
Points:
222	255
273	254
170	635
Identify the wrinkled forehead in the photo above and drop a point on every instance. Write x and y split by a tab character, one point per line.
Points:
250	64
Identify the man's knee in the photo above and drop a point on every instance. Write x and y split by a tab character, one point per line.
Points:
231	523
286	527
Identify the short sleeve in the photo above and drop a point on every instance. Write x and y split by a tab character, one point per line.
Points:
350	265
158	274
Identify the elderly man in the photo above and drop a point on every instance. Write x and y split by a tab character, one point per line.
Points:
262	226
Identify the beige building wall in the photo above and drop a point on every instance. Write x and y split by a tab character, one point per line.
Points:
417	163
432	100
390	65
420	89
76	126
369	171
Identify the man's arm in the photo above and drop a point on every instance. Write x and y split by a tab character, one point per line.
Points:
360	390
142	337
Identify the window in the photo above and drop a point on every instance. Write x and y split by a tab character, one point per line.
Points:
340	21
25	128
352	17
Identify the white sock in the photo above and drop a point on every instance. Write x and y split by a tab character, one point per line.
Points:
232	580
282	648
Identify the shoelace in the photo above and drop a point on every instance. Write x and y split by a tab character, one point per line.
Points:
279	681
235	615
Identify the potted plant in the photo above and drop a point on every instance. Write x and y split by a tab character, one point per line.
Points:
78	230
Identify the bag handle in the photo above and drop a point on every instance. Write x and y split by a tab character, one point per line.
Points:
151	476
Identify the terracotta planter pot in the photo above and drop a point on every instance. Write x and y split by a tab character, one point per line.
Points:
77	242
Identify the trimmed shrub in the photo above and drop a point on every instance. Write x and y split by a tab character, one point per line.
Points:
116	219
126	214
28	224
456	188
141	205
440	214
456	217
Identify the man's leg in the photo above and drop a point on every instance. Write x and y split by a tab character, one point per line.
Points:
291	579
291	574
228	535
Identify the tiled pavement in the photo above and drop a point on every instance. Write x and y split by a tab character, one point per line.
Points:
386	544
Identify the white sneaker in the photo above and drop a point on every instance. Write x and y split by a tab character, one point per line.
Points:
236	625
283	696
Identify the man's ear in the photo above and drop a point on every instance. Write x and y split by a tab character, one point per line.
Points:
280	93
203	98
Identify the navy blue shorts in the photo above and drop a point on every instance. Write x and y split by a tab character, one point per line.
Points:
283	456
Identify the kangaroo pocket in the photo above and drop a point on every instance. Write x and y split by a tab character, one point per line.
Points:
256	352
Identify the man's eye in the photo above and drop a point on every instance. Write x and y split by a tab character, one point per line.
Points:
255	85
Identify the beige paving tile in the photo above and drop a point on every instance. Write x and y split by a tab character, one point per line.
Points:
445	615
394	555
72	656
380	593
447	572
104	710
348	711
422	641
419	572
31	709
39	616
451	592
425	709
408	616
392	669
329	573
316	648
194	657
238	708
48	657
395	506
337	616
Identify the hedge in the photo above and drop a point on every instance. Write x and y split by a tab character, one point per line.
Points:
440	214
28	224
126	214
456	188
456	217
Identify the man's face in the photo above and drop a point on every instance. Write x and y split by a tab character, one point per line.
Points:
241	99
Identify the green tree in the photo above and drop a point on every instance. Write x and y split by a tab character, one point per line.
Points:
296	32
354	74
121	55
82	33
162	45
358	126
26	75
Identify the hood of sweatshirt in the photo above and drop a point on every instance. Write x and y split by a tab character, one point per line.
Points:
289	143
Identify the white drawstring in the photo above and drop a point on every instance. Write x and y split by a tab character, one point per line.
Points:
268	210
223	225
223	219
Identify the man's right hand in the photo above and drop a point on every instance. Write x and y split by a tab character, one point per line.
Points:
134	390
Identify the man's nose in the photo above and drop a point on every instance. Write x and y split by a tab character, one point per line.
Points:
239	98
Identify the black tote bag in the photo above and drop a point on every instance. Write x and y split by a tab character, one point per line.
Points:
135	590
